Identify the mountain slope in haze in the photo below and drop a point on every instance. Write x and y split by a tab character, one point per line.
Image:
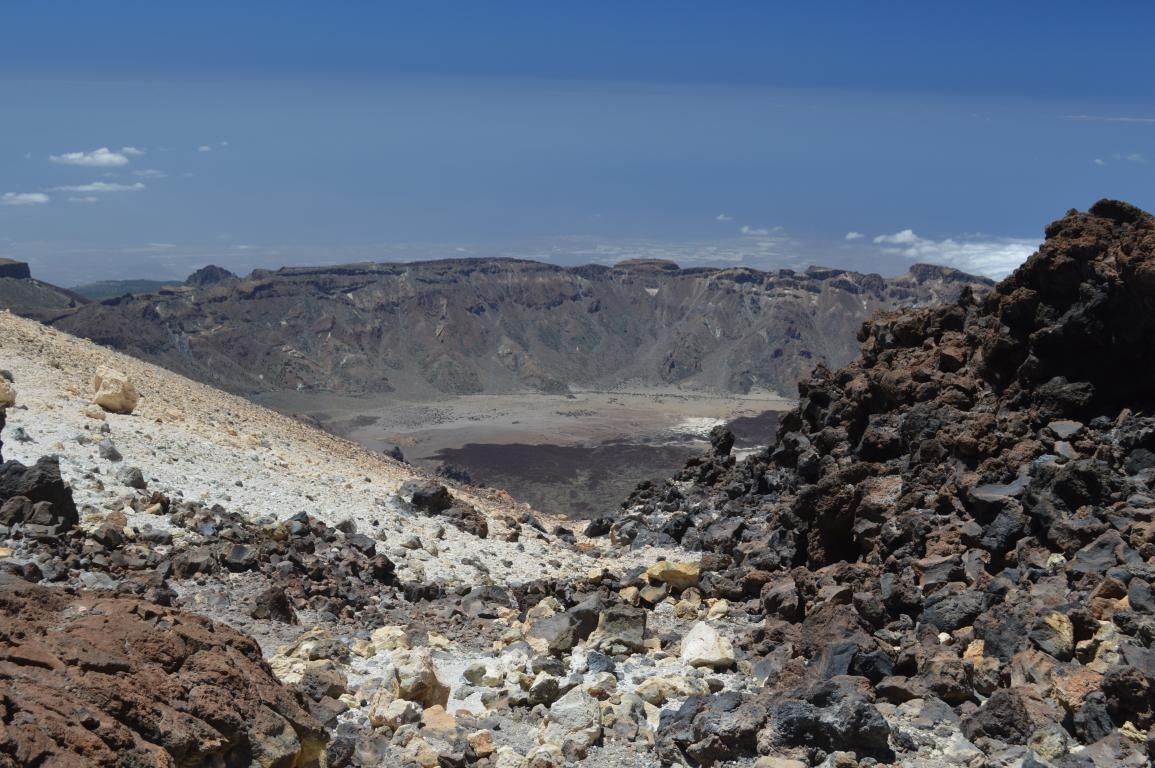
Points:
24	295
502	325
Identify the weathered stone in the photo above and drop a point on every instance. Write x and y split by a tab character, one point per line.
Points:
132	477
1055	634
678	575
89	680
1003	716
703	646
624	626
114	391
573	724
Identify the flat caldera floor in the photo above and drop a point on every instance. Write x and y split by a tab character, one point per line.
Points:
578	454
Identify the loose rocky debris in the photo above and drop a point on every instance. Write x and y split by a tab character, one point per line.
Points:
946	558
960	522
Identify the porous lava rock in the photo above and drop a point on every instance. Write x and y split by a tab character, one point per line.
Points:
88	679
963	512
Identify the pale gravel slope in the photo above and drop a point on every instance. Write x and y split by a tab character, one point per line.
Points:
283	466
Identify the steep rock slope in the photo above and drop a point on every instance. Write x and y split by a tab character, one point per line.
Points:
964	515
500	325
21	293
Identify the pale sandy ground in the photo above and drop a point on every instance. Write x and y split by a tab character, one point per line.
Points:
196	442
584	417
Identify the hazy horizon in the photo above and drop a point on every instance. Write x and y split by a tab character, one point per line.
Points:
147	141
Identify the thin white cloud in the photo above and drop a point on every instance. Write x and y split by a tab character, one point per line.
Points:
204	148
97	158
222	143
101	187
1109	119
854	235
133	151
723	217
85	199
905	237
150	173
995	257
1099	162
757	231
24	198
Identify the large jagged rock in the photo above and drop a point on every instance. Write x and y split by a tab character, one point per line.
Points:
94	680
36	496
963	511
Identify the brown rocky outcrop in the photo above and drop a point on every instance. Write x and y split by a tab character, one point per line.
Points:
94	680
966	510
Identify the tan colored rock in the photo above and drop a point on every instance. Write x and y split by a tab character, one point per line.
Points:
770	761
7	393
719	608
438	724
94	411
677	575
508	757
388	712
114	391
415	678
482	742
703	646
389	638
546	756
659	690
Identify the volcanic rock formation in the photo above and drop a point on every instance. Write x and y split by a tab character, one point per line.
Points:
100	680
502	325
964	514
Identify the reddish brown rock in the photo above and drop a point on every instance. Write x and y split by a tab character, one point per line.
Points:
95	680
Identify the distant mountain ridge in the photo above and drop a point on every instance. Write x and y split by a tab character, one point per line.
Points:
504	325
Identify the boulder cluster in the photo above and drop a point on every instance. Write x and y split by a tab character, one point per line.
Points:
962	519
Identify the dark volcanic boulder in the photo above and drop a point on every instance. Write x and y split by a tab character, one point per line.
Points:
36	495
91	680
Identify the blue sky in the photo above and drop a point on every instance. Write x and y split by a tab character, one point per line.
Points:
146	139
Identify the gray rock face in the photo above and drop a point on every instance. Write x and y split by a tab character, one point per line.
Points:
504	325
623	626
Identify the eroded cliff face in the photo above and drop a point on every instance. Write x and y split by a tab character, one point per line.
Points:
502	325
